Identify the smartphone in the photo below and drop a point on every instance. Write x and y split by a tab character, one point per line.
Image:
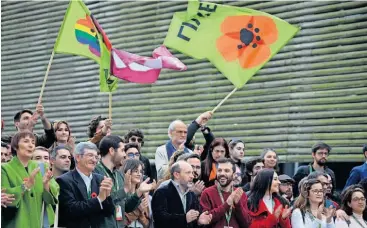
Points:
42	168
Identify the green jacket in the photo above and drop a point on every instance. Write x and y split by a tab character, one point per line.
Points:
127	202
25	211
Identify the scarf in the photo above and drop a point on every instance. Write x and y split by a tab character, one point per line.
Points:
171	149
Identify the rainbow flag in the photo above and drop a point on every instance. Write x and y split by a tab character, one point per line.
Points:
80	34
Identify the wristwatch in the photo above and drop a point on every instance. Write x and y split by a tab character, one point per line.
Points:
24	188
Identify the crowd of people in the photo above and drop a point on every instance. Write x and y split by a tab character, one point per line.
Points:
49	180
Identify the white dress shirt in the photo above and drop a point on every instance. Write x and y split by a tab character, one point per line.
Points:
87	181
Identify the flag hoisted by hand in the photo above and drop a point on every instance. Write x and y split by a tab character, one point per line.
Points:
143	70
80	34
237	41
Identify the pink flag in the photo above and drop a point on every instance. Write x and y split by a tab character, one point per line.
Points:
143	70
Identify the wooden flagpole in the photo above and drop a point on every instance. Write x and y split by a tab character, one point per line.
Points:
46	76
110	105
226	98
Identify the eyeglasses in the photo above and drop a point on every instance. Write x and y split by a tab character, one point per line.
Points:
238	174
134	139
90	156
132	155
317	192
323	153
286	184
356	199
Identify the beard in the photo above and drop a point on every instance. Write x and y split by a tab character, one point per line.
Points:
225	184
321	162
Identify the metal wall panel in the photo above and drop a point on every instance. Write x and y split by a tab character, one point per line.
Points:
313	90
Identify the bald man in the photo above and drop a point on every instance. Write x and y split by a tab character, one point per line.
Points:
166	201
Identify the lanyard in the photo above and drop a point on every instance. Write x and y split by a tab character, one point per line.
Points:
89	192
114	177
354	217
314	218
229	214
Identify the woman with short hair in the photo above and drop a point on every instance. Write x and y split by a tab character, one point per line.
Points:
32	185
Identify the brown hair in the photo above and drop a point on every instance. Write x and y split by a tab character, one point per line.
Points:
209	158
347	197
70	142
18	136
57	126
302	202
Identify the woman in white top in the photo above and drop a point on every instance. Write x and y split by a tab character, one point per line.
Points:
353	203
309	211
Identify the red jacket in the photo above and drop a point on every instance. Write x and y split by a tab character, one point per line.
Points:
210	201
263	218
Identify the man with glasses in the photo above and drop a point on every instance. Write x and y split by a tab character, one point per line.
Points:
137	136
323	178
132	151
177	132
320	153
84	198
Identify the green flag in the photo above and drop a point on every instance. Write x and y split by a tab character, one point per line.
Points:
238	41
80	34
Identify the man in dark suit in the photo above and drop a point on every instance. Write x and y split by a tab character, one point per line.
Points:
174	205
84	198
358	173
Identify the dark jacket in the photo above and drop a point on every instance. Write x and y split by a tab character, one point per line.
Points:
77	209
46	140
147	167
167	208
357	174
304	171
127	202
208	135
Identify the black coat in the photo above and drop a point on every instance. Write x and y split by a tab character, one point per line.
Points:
208	135
304	171
168	211
76	210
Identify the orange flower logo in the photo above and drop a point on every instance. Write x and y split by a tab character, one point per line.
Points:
247	38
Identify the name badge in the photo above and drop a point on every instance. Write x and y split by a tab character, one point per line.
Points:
228	226
118	213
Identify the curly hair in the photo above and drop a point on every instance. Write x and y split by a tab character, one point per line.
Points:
93	124
134	132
